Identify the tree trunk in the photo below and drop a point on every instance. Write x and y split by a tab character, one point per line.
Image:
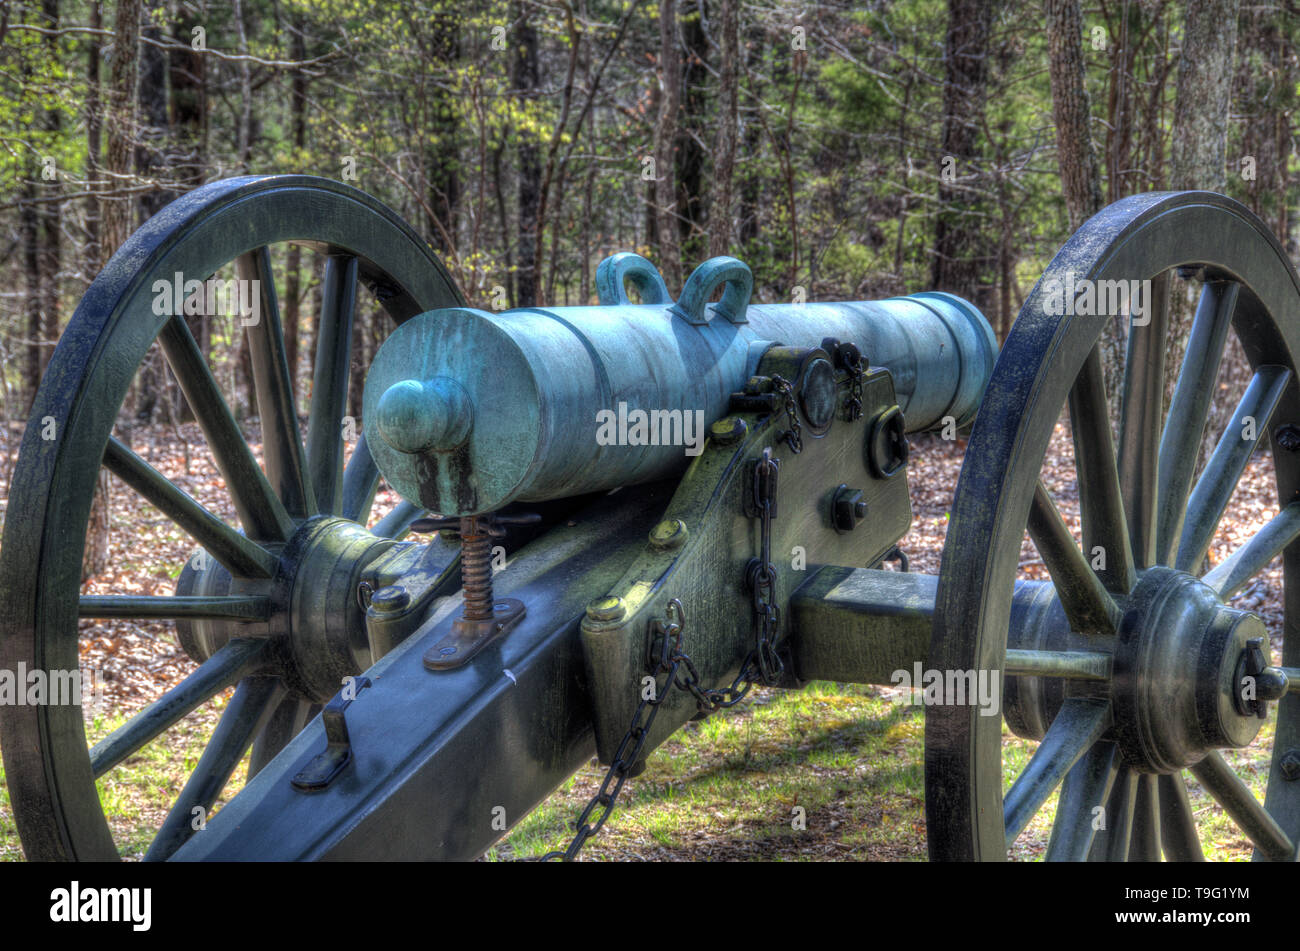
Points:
1080	172
30	236
149	164
189	107
244	131
94	128
1197	162
50	212
692	131
748	226
724	147
1204	87
119	125
670	84
503	219
526	82
960	259
1072	112
187	151
443	158
115	216
293	264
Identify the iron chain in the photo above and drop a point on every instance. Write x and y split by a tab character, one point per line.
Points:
794	435
762	662
671	657
760	577
852	361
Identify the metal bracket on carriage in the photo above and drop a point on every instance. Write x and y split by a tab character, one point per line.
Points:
325	767
483	617
397	589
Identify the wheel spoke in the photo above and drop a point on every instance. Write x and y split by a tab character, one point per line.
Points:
360	481
1250	559
230	664
260	511
241	556
175	607
1076	728
1188	410
1145	844
1111	843
1088	606
1100	502
254	700
281	441
1242	807
398	522
1177	827
1144	381
1215	487
1068	665
329	390
1084	791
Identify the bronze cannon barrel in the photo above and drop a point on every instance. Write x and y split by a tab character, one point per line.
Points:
467	410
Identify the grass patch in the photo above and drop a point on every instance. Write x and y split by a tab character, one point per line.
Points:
832	772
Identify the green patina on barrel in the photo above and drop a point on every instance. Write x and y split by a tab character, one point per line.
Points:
467	410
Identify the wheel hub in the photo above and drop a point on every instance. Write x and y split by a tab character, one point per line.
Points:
1175	673
316	625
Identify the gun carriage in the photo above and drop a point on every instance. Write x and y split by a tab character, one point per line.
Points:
648	468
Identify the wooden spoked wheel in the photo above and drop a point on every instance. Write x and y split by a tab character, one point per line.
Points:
1141	658
274	612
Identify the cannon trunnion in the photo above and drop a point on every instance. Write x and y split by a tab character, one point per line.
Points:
618	517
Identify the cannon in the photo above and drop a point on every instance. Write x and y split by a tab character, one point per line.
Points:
647	466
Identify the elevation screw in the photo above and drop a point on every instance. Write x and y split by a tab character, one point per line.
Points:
476	533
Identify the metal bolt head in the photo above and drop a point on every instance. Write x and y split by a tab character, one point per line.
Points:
608	608
393	597
669	534
1287	436
728	430
1290	765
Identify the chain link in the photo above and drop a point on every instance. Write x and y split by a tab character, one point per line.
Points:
852	361
762	663
794	435
671	657
761	576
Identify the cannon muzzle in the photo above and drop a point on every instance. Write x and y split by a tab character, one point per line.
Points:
467	410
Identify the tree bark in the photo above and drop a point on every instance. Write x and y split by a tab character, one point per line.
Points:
30	237
443	158
1197	160
724	147
526	82
189	107
150	163
670	84
1204	86
960	260
119	124
50	212
1072	112
115	215
293	263
94	130
691	133
1080	171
